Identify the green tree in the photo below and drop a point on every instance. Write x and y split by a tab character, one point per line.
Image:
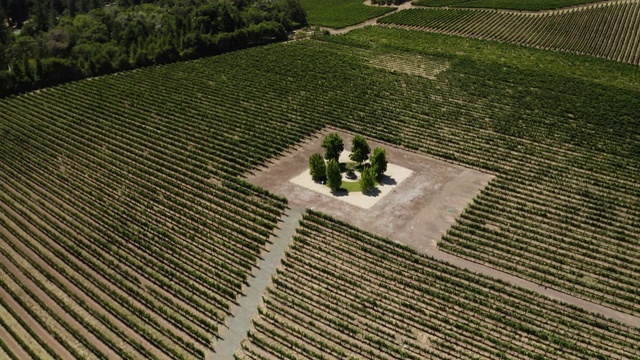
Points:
18	12
334	178
21	48
40	17
359	149
294	13
333	146
5	38
96	39
367	180
317	168
72	7
379	162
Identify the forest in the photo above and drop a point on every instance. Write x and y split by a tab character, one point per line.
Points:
47	42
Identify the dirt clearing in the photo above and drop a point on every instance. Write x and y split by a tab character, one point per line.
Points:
417	212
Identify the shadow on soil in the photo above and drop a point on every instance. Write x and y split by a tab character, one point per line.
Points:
340	193
387	181
373	193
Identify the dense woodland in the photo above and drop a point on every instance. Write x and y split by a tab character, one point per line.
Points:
46	42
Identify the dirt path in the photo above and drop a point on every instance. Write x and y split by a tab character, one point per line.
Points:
479	268
248	304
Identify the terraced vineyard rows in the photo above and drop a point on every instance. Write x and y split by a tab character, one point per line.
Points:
343	294
610	30
125	231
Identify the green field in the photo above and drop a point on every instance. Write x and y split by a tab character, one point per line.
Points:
529	5
358	295
128	230
340	13
531	63
606	31
352	186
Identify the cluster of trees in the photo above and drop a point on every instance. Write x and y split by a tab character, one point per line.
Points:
387	2
45	42
330	171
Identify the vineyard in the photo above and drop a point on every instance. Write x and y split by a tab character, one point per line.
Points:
127	230
343	293
121	236
340	13
537	219
610	30
529	5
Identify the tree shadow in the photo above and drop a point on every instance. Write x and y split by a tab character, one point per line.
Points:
340	193
372	193
387	180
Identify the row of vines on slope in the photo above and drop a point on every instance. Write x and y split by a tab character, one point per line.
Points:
530	5
125	231
610	31
343	293
561	214
122	236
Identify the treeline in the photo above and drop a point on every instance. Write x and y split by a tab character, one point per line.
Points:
47	42
387	2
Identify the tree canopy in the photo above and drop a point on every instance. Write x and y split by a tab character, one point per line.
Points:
334	178
333	146
91	37
367	180
317	168
360	149
379	162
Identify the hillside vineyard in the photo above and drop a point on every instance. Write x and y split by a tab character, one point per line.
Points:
127	229
609	30
410	307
